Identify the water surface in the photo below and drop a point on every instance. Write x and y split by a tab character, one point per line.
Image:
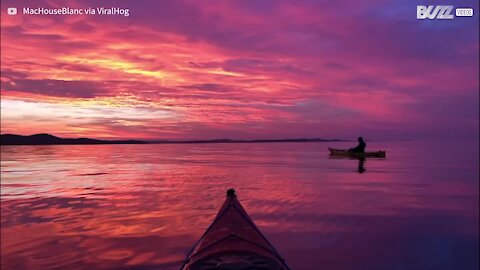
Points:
144	206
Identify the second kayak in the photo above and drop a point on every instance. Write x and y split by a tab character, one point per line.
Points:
346	153
233	242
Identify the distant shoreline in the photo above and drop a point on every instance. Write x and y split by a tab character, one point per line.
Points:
47	139
247	141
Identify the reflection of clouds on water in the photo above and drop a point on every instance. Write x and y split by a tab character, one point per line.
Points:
144	206
78	233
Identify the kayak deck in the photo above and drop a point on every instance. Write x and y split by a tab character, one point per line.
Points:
346	153
233	241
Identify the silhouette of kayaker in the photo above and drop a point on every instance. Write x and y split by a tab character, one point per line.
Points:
360	148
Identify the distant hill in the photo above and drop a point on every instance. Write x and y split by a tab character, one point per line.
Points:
47	139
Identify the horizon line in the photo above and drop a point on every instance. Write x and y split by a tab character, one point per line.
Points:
178	140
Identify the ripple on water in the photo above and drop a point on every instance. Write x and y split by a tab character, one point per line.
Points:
143	207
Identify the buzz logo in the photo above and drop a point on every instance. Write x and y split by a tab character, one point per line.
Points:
434	12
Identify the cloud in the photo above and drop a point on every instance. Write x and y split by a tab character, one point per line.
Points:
222	65
59	88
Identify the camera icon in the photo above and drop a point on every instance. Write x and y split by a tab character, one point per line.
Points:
12	11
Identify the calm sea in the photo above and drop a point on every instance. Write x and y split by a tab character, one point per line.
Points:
144	206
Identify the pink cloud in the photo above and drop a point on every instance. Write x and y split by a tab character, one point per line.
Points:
244	69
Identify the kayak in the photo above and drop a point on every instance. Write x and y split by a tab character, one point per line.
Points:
233	242
346	153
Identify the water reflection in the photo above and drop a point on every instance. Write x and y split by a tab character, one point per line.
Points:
361	162
144	206
361	165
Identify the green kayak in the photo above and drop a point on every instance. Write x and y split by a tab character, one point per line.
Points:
346	153
233	242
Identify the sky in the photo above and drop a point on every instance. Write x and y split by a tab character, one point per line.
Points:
241	70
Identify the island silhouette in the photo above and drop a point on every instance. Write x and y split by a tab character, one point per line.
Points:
48	139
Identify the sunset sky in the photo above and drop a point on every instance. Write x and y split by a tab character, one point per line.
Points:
241	70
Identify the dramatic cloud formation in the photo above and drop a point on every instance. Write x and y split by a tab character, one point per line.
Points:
240	69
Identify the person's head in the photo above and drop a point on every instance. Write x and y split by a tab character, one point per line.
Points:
360	139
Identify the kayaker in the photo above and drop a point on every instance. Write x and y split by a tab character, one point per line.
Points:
360	147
